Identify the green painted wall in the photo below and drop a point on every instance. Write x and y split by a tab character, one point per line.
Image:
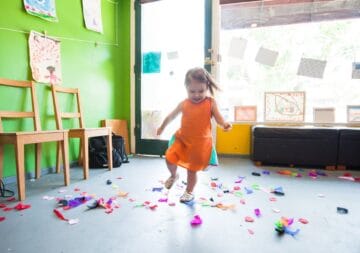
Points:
98	64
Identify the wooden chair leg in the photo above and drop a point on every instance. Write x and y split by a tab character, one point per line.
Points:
38	160
85	149
1	161
258	164
81	154
109	151
330	167
341	167
58	156
20	169
65	157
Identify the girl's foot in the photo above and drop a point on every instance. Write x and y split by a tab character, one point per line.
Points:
186	197
170	181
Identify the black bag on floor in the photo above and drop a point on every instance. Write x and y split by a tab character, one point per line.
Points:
119	145
98	152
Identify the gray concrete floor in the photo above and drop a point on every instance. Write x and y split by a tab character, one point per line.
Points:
167	229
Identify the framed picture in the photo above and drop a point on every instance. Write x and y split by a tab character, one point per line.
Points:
245	113
353	113
324	115
284	106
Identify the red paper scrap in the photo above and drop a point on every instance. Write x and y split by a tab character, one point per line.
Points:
6	209
153	207
10	199
21	206
251	232
60	215
2	218
249	219
2	205
76	189
303	221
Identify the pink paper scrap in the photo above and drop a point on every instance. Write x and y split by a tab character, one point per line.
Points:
196	221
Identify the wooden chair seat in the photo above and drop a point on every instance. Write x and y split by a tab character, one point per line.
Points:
20	139
82	132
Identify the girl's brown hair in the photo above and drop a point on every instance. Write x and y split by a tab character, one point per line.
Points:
201	75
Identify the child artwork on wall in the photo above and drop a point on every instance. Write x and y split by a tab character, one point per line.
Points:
92	15
355	70
324	115
44	9
151	62
285	106
45	58
353	113
245	113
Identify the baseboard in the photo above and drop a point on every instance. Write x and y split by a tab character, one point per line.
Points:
30	175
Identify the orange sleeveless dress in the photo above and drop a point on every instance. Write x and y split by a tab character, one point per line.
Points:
193	141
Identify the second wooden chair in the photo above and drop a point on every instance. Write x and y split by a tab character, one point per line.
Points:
81	132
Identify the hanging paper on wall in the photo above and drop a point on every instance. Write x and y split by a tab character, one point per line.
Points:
44	9
266	56
311	68
45	58
150	121
324	115
355	70
237	47
173	55
353	113
245	113
92	15
285	106
151	62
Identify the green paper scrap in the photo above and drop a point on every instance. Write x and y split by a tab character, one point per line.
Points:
238	194
255	187
151	62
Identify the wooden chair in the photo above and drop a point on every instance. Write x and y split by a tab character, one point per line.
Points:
83	133
20	139
119	127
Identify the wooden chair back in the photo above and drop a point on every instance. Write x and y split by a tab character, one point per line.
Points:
34	114
59	114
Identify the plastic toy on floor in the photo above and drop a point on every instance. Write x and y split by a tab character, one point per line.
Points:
282	226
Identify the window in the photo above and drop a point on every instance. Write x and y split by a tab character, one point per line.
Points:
257	59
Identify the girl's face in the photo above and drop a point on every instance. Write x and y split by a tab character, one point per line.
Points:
196	91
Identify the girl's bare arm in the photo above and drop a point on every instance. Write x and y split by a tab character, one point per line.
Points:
172	115
218	117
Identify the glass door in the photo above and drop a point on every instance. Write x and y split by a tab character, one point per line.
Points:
172	36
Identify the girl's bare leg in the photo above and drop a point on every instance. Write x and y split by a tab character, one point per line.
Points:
172	168
191	181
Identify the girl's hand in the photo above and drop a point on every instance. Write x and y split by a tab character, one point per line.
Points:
159	131
227	126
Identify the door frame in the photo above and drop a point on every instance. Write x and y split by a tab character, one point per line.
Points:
155	146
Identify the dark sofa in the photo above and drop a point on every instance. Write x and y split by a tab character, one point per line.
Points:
349	149
295	146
